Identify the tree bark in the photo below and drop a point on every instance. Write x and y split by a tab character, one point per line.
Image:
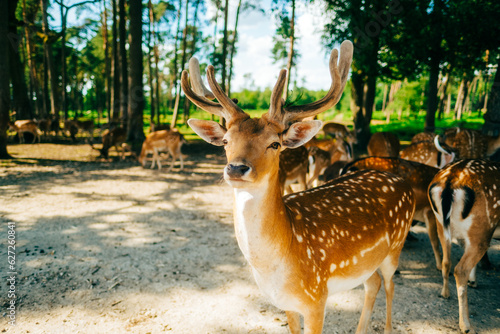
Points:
224	45
150	62
107	70
52	77
4	78
21	101
492	116
432	101
181	67
123	60
233	48
135	132
115	104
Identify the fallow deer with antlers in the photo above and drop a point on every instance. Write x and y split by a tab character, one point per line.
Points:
307	245
465	198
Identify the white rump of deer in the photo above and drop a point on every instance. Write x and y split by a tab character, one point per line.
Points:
465	198
305	246
162	141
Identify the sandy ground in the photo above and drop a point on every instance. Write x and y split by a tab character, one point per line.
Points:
110	247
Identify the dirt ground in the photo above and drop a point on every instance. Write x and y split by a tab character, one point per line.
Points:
111	247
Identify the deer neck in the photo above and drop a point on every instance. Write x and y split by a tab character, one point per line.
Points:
261	223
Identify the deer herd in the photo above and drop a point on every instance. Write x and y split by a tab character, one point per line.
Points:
346	221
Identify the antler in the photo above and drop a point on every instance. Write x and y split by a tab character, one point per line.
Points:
339	78
200	95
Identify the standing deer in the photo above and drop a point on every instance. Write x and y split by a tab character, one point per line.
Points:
465	198
418	176
305	246
116	138
160	141
293	168
23	126
428	153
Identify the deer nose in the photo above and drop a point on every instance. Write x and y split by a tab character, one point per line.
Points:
236	171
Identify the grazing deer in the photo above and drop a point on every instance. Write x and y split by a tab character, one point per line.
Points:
308	245
115	137
340	131
294	164
383	144
418	176
74	126
465	198
45	127
160	141
23	126
428	153
338	149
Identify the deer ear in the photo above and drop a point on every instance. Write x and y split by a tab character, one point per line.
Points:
300	133
209	131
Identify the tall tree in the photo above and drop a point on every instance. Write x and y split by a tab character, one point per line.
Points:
51	71
225	42
135	132
122	27
107	70
115	60
4	77
181	65
21	101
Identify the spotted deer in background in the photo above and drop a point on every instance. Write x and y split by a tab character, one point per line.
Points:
307	245
465	198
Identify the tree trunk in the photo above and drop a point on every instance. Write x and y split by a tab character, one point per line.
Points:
290	52
135	133
4	77
34	84
432	102
224	45
181	67
64	105
150	62
52	77
233	48
123	61
115	105
107	70
442	95
21	101
492	116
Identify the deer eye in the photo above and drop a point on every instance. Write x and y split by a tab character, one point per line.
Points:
275	145
224	141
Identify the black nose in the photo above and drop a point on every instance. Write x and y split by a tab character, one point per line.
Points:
236	170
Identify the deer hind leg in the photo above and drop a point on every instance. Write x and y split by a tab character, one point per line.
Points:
472	255
179	153
387	269
372	286
445	239
430	223
174	157
293	319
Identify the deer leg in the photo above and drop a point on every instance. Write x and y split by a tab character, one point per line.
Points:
430	223
445	239
467	263
388	268
293	319
179	153
314	319
155	157
372	286
174	157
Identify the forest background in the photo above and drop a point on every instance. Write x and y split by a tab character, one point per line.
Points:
418	64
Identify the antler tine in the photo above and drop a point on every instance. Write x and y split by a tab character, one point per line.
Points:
230	107
276	99
198	100
196	81
339	79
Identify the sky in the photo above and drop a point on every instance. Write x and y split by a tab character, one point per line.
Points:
253	57
255	43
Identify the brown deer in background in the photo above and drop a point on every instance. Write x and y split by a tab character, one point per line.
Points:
465	198
23	126
383	144
430	153
307	245
162	141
